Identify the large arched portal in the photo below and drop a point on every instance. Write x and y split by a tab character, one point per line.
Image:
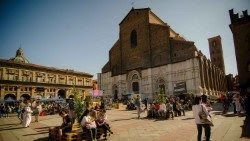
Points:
25	97
10	97
62	94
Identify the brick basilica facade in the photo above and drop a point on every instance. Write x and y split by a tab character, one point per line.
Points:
19	79
149	56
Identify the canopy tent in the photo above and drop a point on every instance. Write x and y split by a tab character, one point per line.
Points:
9	99
58	99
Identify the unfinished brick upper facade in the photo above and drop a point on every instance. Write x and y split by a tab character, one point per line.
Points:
157	44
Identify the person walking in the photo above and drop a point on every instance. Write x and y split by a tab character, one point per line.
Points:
7	110
197	109
37	110
138	106
237	101
19	111
27	116
146	103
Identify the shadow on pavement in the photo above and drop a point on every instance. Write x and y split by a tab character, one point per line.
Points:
42	139
217	113
11	128
44	127
36	133
123	119
187	118
233	115
9	124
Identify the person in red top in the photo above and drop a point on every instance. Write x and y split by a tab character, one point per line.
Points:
157	106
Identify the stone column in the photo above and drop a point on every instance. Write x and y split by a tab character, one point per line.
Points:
4	75
45	95
219	80
216	80
67	93
19	75
46	78
33	76
57	79
2	91
213	78
33	92
67	80
76	81
18	92
201	72
210	77
205	75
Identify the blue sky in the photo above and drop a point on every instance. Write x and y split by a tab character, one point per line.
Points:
77	34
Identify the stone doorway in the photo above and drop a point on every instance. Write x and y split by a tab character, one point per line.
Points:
61	94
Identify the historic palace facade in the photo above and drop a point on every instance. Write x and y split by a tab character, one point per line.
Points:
20	79
149	56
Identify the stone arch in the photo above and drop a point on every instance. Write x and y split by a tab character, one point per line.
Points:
25	97
134	82
12	96
161	85
61	93
71	96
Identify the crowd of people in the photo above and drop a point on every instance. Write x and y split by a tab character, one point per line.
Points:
25	109
92	121
235	100
172	107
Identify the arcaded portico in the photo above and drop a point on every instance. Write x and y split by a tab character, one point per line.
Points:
21	79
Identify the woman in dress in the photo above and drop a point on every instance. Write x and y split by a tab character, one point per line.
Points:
27	115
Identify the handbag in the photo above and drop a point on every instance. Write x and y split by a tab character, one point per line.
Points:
203	118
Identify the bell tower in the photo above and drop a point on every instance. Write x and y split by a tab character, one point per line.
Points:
216	52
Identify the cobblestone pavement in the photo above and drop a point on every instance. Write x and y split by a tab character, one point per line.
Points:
127	127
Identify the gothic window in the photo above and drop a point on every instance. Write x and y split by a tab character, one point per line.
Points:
134	77
133	39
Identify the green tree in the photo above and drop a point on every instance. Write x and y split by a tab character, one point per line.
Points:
161	96
79	104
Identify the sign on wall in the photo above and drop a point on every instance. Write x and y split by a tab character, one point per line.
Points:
180	88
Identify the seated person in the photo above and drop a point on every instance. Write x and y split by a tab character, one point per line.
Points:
169	108
66	125
88	123
150	113
162	110
101	122
157	108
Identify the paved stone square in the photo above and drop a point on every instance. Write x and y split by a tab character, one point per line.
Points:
127	127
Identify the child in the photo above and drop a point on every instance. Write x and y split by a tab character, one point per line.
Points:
101	122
